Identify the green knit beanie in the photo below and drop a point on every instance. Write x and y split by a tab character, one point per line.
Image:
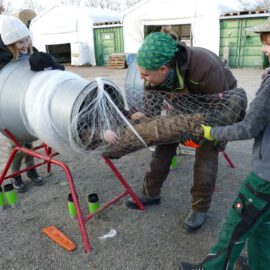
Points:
157	49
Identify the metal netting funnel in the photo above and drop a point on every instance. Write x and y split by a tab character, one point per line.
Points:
134	87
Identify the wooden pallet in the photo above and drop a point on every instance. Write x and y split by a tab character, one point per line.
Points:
117	61
245	12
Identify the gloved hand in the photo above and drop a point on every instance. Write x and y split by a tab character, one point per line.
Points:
207	132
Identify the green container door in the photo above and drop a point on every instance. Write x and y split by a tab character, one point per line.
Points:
243	48
107	42
107	46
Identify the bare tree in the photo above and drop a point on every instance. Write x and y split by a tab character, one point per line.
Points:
5	7
260	4
71	2
105	4
32	5
130	3
263	4
2	8
111	4
118	5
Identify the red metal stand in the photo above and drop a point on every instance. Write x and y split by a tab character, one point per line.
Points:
48	159
225	155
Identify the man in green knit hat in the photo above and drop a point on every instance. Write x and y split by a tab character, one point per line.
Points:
168	66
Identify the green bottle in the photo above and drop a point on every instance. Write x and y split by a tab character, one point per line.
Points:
2	199
71	207
173	163
11	195
93	203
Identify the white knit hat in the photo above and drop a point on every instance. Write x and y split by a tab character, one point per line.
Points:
12	30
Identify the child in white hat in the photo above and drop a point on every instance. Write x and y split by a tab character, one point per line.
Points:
15	43
16	36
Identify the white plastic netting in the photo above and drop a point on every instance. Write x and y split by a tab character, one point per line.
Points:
46	108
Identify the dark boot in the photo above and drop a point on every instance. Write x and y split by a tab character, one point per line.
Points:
34	177
146	201
241	264
194	221
18	184
189	266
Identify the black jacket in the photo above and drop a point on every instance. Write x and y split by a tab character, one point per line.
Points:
202	73
5	54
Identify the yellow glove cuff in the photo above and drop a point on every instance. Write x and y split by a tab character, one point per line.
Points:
207	132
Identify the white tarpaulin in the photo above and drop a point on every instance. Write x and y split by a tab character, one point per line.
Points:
69	24
203	16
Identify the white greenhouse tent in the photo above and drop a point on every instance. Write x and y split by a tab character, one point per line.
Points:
196	22
71	26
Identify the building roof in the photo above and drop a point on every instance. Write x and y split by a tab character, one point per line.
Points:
97	15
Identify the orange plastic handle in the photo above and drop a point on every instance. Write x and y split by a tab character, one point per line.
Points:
59	237
190	143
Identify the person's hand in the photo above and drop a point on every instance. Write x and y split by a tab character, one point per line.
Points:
207	132
110	137
137	116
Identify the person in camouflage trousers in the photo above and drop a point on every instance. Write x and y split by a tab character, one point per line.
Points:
249	218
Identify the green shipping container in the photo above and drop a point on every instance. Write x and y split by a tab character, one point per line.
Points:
107	41
241	47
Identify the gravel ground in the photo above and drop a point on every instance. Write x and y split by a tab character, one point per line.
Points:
151	239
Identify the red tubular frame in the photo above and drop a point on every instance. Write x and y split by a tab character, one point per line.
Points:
228	159
48	159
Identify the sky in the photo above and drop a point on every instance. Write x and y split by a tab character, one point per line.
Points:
19	4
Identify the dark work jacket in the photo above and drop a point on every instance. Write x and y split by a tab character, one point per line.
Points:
5	54
201	72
